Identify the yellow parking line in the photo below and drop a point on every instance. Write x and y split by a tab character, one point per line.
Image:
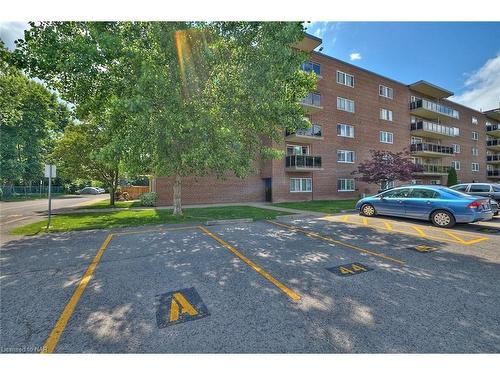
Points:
58	329
455	237
450	237
419	231
289	292
344	244
365	221
345	218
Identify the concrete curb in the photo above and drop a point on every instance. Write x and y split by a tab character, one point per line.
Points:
228	221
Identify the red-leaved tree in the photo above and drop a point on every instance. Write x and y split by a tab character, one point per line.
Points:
387	166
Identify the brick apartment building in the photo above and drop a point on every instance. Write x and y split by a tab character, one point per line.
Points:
354	111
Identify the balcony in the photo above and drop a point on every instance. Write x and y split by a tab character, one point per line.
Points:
433	170
308	43
495	173
493	144
493	130
433	130
305	136
433	111
302	163
430	150
312	102
493	159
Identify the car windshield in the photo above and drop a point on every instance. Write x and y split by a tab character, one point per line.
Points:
456	193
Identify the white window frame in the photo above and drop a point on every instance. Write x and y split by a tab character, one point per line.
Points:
342	104
385	92
474	120
308	149
342	78
475	151
302	181
343	185
384	185
475	136
385	114
389	137
456	164
475	167
343	127
456	148
345	153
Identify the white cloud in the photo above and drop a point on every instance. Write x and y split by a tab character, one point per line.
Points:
482	88
10	31
355	56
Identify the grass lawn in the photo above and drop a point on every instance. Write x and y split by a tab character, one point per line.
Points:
105	204
329	207
130	218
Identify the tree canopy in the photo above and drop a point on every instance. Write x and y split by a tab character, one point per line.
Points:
177	98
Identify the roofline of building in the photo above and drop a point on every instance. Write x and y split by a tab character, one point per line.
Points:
393	80
314	37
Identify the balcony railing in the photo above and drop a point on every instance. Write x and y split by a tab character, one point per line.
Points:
493	142
493	158
431	147
313	131
434	107
432	127
494	173
492	128
432	168
303	162
313	99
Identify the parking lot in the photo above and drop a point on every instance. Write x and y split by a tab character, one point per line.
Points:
333	284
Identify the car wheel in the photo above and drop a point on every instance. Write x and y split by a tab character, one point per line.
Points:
443	219
367	210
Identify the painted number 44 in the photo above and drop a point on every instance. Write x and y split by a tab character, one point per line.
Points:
349	269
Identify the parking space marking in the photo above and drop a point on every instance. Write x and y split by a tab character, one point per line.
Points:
162	230
180	306
417	231
289	292
341	243
58	329
349	269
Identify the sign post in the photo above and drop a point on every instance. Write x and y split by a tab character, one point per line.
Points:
50	171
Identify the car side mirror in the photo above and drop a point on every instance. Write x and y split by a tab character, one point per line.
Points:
381	197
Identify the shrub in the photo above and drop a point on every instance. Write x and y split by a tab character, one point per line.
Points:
148	199
452	177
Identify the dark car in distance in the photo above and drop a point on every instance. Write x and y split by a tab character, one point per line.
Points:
482	189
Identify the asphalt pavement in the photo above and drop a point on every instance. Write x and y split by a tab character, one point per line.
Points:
295	285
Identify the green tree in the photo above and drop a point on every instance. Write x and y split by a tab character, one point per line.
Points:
84	152
180	99
31	119
452	177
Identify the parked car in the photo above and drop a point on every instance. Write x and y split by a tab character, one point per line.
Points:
441	205
90	190
484	190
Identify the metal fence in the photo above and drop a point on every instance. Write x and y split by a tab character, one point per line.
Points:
34	190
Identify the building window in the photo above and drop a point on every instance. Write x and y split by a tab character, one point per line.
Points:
384	185
386	137
475	136
300	185
456	148
345	104
475	167
345	184
474	120
385	114
385	91
416	140
475	151
435	182
455	164
310	66
345	79
344	130
312	98
297	150
345	156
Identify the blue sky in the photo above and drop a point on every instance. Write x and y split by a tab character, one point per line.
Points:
463	57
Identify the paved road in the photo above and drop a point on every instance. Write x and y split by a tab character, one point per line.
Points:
13	214
234	289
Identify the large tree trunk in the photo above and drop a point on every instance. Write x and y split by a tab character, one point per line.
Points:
112	192
177	196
